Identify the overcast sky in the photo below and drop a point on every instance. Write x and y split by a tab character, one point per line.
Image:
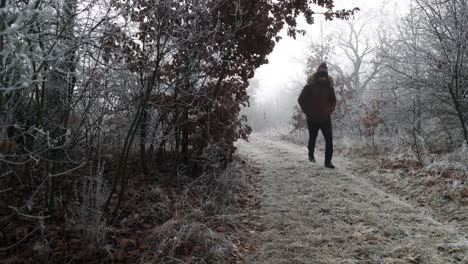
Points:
285	63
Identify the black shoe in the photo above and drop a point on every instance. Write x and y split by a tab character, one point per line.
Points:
311	159
329	165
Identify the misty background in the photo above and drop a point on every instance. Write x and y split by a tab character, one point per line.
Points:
401	77
276	85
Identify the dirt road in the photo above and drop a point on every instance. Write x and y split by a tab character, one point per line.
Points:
310	214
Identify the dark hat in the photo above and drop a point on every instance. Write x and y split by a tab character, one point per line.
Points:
322	67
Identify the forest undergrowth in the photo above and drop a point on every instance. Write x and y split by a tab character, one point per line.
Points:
190	220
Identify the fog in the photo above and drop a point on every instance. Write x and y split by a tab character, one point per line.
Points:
276	85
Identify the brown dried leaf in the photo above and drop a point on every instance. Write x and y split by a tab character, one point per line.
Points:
125	243
464	192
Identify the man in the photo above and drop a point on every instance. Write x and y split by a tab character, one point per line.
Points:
318	101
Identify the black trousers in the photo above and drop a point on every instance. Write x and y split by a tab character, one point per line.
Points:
326	128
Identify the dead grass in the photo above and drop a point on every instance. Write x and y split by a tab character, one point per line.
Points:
314	215
185	241
207	219
440	187
197	221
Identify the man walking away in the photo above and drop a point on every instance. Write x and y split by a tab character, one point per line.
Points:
318	101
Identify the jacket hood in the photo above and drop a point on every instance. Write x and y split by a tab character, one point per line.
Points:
311	80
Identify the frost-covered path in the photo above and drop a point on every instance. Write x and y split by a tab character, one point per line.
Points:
310	214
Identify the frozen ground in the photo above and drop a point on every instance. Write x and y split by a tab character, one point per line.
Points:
310	214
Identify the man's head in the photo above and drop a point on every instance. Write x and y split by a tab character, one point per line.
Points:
320	76
322	70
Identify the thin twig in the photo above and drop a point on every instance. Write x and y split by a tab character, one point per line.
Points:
6	190
68	171
6	174
16	210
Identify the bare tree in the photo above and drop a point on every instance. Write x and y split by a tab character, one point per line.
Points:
363	65
427	65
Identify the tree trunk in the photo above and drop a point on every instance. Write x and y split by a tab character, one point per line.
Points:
60	95
143	133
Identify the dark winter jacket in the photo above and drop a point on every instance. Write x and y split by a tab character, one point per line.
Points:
318	99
